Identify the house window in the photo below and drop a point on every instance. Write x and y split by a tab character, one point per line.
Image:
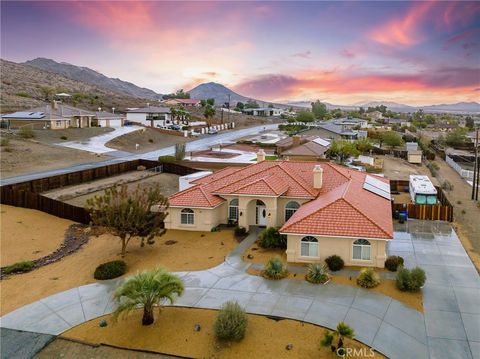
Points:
58	123
187	216
361	250
309	247
290	209
233	210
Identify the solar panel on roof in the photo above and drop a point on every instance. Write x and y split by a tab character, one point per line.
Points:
376	186
321	142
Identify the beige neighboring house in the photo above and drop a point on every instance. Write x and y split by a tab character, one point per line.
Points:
313	150
414	155
182	101
323	208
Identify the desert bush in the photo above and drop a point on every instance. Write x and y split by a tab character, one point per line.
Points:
22	94
150	140
393	262
26	132
271	238
447	186
240	231
275	269
167	159
342	331
231	322
317	273
25	266
410	280
63	137
368	278
110	270
335	263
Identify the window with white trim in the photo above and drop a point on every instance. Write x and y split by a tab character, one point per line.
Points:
290	209
361	250
233	210
187	216
309	247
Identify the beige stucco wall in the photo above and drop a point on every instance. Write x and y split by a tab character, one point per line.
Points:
414	158
205	219
340	246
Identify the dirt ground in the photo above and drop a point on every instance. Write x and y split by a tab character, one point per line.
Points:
78	195
72	134
26	156
173	333
399	169
27	234
192	251
148	140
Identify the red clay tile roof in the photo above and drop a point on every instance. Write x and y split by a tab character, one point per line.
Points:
340	208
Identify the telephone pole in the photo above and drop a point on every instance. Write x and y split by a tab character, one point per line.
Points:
476	167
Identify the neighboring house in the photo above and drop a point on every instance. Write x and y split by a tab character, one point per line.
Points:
55	116
313	150
150	116
324	209
108	119
292	141
375	115
334	130
441	126
263	111
182	101
414	155
396	122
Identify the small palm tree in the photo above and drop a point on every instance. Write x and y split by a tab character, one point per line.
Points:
343	331
147	290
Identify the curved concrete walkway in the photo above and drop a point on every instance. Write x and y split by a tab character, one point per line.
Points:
379	321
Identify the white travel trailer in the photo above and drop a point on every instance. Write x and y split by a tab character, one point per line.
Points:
422	190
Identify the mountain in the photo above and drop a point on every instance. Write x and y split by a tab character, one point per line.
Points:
85	74
392	106
217	91
24	87
467	107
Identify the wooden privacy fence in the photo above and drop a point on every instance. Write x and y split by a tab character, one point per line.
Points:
435	212
28	194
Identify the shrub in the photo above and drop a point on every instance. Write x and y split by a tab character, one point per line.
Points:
25	266
317	273
327	339
110	270
22	94
231	322
447	186
368	278
150	140
393	262
335	263
167	159
275	269
410	280
63	137
240	231
26	132
271	238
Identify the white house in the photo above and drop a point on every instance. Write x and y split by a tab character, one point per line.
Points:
150	116
263	111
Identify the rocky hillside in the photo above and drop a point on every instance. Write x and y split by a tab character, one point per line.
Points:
24	86
218	92
85	74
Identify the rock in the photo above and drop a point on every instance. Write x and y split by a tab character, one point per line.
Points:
197	327
250	256
103	323
289	347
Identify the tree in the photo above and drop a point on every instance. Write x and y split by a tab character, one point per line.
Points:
147	290
363	145
252	104
319	110
391	139
342	331
211	101
130	215
179	94
343	149
209	112
457	137
305	116
469	123
47	91
240	106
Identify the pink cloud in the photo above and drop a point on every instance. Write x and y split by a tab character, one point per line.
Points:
304	55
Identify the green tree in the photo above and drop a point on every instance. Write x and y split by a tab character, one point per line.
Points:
209	112
457	137
319	110
139	214
178	94
391	139
47	92
252	104
240	106
342	150
364	145
211	101
305	116
469	123
147	290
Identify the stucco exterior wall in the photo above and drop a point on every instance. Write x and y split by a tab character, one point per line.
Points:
340	246
205	219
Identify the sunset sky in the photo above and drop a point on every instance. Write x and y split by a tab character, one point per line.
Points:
417	53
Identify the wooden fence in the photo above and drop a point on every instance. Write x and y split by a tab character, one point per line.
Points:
441	212
28	194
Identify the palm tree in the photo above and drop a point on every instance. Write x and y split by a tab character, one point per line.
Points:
147	290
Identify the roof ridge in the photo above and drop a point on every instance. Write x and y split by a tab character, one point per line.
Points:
303	185
242	178
205	195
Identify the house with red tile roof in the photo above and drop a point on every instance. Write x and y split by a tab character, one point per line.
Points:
321	207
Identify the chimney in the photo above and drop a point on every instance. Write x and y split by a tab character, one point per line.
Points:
317	177
54	105
296	140
260	155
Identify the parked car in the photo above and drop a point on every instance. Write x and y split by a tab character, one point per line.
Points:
212	131
174	127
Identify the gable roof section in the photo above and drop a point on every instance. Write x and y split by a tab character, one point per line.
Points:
266	186
195	196
307	149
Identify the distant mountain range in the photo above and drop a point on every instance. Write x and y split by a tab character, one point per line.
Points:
93	77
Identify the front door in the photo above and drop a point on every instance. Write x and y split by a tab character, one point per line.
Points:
261	216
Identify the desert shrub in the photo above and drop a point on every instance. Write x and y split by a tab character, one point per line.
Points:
25	266
393	262
5	142
335	263
271	238
447	186
410	280
231	322
368	278
150	140
167	159
22	94
110	270
275	269
63	137
327	339
26	132
435	165
240	231
317	273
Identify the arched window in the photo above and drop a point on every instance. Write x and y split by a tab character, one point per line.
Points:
187	216
361	250
233	210
290	209
309	247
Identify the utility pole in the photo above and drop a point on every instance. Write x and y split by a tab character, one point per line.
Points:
476	175
228	108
